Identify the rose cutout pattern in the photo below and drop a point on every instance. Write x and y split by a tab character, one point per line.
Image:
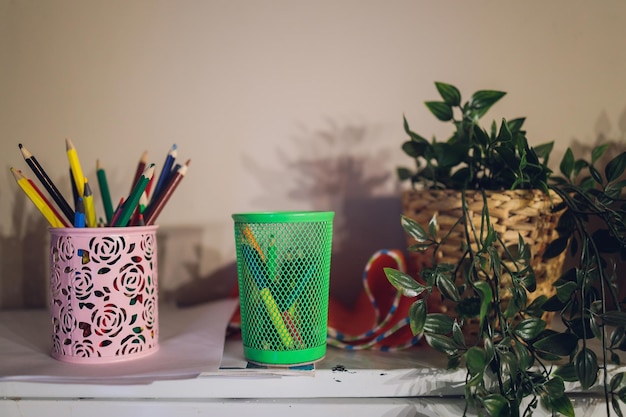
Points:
104	296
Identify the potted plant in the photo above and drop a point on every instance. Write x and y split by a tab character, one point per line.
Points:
486	272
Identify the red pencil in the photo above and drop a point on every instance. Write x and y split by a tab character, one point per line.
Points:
154	208
117	212
141	166
43	197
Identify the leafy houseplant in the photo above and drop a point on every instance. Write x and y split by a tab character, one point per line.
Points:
516	361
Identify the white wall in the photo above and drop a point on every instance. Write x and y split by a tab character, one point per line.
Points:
286	104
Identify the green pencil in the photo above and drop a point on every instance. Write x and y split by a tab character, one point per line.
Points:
133	199
104	191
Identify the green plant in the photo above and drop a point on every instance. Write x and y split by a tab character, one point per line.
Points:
474	158
518	362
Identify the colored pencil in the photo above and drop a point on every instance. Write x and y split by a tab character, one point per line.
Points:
117	212
35	196
90	209
155	207
253	265
77	171
45	180
249	235
43	197
141	166
104	191
133	199
75	195
141	207
165	172
79	214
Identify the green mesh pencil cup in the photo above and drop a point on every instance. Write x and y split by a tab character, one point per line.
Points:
283	270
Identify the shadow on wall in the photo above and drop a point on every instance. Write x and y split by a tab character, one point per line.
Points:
330	169
23	258
617	144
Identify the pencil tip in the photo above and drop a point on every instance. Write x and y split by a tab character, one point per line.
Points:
25	153
68	144
20	145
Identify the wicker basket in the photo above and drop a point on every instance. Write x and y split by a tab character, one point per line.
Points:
514	212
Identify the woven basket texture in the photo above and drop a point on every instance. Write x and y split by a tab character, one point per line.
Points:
512	213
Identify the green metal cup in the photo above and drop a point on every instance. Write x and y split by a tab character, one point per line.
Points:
283	269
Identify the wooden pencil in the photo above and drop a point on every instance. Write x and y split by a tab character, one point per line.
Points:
45	180
156	206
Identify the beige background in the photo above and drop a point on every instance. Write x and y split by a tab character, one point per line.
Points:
280	105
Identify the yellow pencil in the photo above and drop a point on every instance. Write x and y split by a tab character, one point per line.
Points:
77	171
277	319
31	192
90	208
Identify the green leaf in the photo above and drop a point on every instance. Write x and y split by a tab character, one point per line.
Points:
555	248
404	282
595	174
567	164
553	304
524	356
586	367
449	93
442	343
598	151
567	372
616	381
417	316
529	329
535	307
561	404
555	387
616	408
560	344
432	227
404	173
415	149
457	334
482	100
414	136
622	394
544	150
441	110
615	168
475	360
565	290
486	295
447	287
438	323
496	405
414	229
614	318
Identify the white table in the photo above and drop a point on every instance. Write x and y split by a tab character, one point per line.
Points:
363	383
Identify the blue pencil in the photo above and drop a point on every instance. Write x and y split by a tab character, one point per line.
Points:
165	172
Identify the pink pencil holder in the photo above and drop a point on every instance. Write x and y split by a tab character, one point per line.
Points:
104	293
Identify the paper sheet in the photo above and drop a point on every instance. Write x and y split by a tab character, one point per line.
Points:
191	342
